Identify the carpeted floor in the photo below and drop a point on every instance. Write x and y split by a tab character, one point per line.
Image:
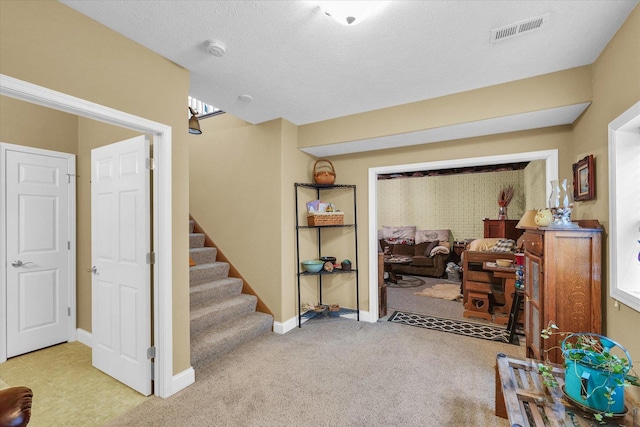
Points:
342	373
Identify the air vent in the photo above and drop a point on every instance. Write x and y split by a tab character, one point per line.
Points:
518	28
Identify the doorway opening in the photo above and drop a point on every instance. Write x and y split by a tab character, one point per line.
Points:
165	384
551	169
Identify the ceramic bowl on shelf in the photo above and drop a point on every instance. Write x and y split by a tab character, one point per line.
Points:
504	262
312	265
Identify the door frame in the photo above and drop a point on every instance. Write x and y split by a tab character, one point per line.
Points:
551	169
71	236
165	385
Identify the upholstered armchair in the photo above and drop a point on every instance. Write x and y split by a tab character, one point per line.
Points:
15	406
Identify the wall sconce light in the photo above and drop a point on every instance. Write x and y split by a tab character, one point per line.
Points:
194	125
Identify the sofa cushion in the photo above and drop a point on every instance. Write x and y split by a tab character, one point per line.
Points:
403	234
431	235
403	250
422	261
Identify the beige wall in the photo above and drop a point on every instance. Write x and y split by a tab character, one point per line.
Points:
616	87
535	185
51	45
454	202
562	88
31	125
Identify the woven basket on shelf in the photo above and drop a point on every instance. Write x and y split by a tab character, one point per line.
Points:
325	218
324	177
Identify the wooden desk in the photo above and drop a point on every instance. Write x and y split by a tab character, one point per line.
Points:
508	276
526	401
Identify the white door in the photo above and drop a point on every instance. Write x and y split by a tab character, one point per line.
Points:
120	242
37	250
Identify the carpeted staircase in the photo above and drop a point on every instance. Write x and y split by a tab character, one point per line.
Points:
222	317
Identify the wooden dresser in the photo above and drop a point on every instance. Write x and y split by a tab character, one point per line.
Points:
562	283
505	228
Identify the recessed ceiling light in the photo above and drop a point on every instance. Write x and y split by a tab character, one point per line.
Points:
245	98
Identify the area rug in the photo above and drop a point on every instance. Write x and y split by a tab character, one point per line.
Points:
441	290
407	282
469	329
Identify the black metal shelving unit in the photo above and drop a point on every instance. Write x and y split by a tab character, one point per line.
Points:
354	269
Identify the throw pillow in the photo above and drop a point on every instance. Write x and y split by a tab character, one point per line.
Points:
430	246
504	245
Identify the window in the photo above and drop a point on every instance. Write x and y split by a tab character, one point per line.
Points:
624	207
204	110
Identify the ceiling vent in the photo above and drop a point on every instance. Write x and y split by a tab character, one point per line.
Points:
518	28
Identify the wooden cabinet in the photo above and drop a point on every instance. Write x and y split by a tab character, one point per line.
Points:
562	284
501	228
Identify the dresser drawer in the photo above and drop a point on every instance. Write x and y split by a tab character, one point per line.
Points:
532	242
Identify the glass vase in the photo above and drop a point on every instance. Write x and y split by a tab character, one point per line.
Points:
502	212
561	204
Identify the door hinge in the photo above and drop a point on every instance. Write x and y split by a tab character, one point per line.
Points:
151	352
153	371
69	311
151	258
151	163
68	245
69	175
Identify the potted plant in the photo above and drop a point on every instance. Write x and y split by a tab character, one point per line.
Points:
595	376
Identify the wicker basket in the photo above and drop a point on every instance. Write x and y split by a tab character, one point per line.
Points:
324	177
325	218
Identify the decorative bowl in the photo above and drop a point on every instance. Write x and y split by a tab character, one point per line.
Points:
312	265
504	262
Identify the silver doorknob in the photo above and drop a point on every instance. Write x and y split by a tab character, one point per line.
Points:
93	270
19	263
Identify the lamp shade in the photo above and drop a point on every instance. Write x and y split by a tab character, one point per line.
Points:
194	124
528	220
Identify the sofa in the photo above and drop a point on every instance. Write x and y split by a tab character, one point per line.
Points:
427	249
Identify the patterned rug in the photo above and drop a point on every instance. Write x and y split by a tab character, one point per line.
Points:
407	282
469	329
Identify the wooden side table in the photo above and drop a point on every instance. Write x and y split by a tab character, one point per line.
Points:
522	397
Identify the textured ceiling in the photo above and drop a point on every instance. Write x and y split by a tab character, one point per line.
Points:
299	64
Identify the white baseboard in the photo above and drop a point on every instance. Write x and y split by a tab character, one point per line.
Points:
84	337
292	323
286	326
183	380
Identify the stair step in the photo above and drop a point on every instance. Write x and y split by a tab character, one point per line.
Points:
209	316
192	223
208	272
205	255
226	337
196	240
215	291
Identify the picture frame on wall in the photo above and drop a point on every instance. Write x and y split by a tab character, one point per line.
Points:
584	184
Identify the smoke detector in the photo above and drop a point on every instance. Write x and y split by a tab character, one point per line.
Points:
216	47
518	28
